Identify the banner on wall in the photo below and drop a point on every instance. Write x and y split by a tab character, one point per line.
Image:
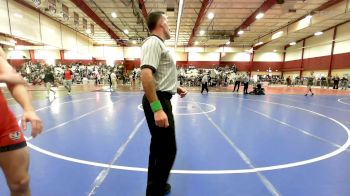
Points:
92	29
51	5
76	19
65	12
84	24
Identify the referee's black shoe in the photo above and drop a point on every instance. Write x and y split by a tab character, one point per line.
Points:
167	189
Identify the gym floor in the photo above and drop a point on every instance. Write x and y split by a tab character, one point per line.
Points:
95	142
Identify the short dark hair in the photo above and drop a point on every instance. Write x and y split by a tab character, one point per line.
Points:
153	19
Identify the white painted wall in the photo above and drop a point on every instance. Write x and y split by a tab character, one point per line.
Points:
240	56
210	56
292	74
50	31
262	73
24	22
69	38
107	52
342	44
318	46
317	73
132	52
45	54
340	72
4	19
294	52
74	55
181	56
268	57
18	54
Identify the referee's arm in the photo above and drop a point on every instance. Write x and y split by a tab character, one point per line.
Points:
148	84
160	117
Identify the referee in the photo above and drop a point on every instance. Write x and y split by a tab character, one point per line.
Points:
159	80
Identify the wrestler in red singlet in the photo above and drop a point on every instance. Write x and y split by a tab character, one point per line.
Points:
11	135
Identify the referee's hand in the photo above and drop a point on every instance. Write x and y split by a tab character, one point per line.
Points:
161	119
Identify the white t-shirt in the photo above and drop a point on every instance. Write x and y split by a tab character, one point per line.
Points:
204	79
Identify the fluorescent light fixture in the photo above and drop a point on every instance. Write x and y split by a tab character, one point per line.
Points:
126	31
259	43
114	15
292	43
202	32
13	41
318	33
179	15
134	42
211	15
228	42
196	43
274	50
260	15
18	15
10	49
240	32
308	17
277	35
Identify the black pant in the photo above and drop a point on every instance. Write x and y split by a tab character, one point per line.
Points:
237	83
162	148
205	86
336	84
245	90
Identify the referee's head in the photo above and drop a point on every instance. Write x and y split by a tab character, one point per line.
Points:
157	23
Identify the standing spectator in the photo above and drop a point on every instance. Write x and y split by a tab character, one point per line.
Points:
114	80
237	82
323	81
344	83
336	82
97	77
310	82
68	79
289	81
49	80
205	83
246	84
329	81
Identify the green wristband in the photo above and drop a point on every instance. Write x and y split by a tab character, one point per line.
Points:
156	106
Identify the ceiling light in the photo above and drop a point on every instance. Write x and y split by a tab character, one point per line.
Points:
13	41
308	17
114	15
134	42
240	32
228	43
126	31
201	32
274	50
10	49
196	43
88	31
18	15
259	16
258	44
211	15
292	43
318	33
